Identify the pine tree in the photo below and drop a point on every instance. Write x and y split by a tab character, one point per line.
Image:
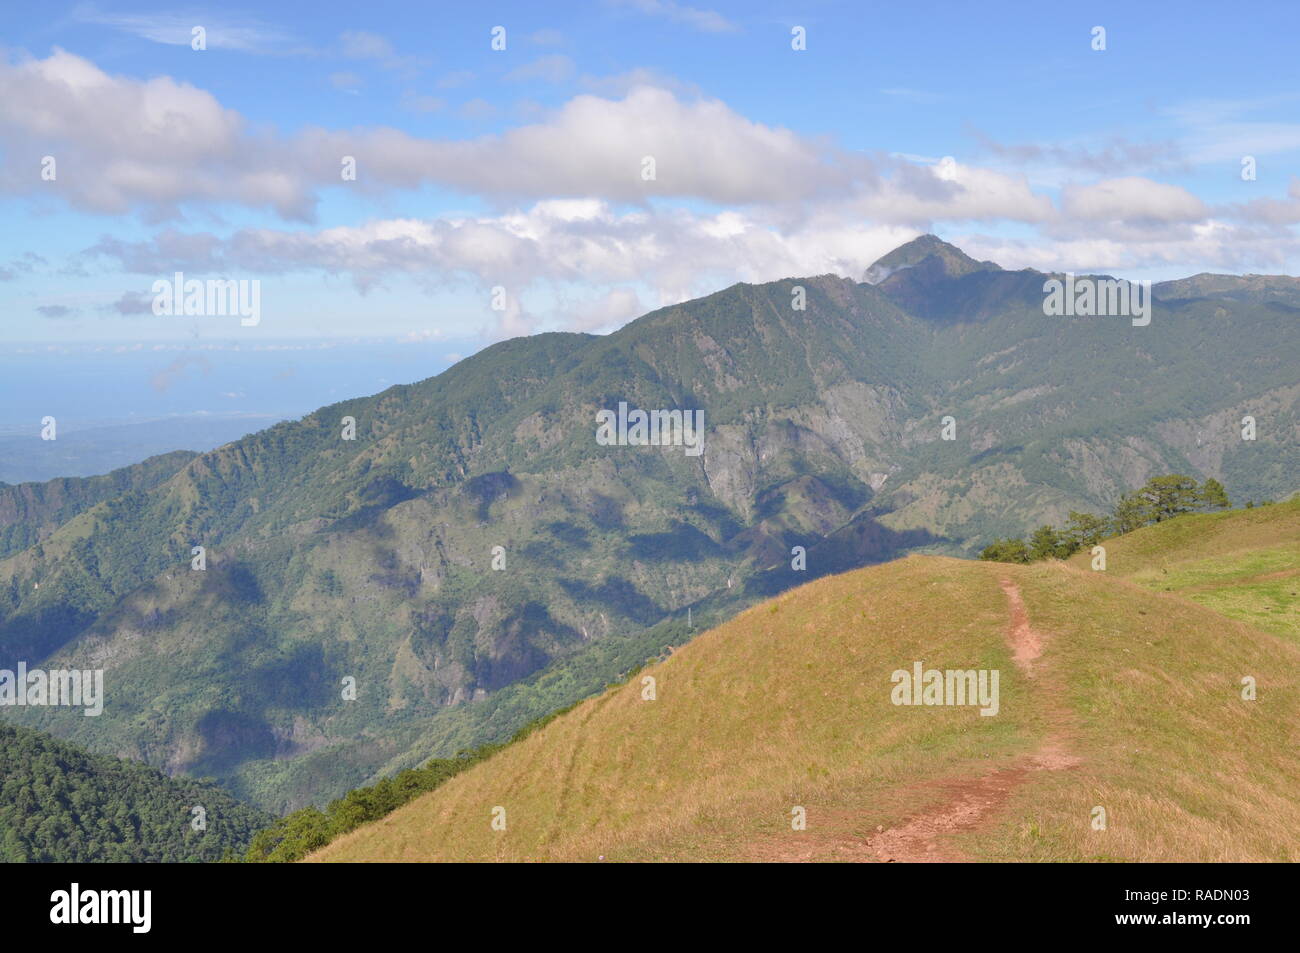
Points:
1169	496
1212	495
1046	543
1006	551
1132	512
1085	530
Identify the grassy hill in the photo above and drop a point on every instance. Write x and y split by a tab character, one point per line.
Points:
1114	695
1242	563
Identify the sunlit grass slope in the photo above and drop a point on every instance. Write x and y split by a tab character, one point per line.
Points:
788	705
1184	766
1242	563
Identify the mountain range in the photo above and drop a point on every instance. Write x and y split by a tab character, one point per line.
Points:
473	557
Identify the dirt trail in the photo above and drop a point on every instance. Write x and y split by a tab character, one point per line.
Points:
1026	644
958	804
970	802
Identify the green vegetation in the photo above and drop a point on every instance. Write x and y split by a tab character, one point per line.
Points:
297	835
59	804
789	703
1162	498
30	511
371	558
1244	564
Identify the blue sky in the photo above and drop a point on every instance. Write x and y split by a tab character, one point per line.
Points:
997	126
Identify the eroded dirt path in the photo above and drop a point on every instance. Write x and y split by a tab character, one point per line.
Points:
923	838
956	805
1026	644
969	803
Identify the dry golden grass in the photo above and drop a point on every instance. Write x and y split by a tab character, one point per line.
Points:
789	704
779	707
1185	768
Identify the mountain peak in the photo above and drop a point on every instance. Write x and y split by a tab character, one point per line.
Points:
947	259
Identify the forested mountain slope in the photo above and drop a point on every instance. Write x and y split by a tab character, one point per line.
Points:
372	559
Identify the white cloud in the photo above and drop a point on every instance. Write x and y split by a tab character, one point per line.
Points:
595	146
1207	246
732	199
155	145
120	142
675	252
1133	200
949	191
1271	211
609	311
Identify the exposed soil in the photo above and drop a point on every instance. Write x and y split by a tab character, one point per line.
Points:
964	804
1026	644
972	802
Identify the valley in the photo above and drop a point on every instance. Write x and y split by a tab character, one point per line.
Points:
1109	690
371	559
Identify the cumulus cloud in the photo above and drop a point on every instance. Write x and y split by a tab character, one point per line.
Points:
156	145
612	309
119	142
1132	200
677	252
908	193
597	147
565	198
1213	244
1270	211
673	253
